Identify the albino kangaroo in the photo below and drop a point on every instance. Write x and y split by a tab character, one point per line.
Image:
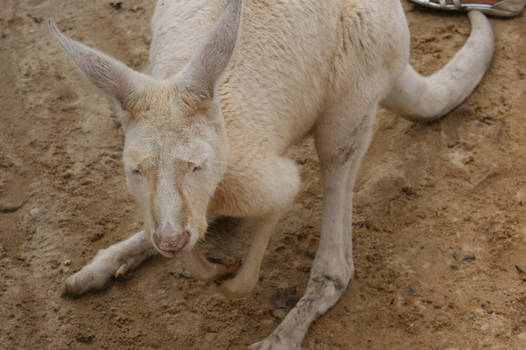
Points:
207	129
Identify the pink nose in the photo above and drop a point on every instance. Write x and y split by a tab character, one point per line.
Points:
168	241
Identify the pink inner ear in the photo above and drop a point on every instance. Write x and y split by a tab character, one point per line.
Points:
108	74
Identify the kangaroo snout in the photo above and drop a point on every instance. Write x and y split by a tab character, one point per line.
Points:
169	242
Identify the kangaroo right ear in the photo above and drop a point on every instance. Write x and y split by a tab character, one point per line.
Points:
108	74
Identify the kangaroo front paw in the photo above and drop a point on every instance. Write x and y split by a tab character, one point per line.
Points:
231	289
238	286
275	344
114	261
209	269
224	270
96	274
86	280
121	271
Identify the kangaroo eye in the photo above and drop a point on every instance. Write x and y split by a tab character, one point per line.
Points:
136	172
197	168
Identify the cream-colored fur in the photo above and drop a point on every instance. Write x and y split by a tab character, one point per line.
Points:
208	127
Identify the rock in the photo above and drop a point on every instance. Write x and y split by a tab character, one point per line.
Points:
83	338
34	211
412	290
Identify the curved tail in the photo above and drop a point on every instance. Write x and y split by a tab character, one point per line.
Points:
421	98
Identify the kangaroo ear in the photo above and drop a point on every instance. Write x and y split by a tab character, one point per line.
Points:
206	66
108	74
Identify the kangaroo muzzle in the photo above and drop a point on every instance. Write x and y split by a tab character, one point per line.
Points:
169	242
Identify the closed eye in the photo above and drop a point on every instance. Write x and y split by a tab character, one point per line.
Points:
196	166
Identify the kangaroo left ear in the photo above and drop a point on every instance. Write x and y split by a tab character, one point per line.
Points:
206	66
108	74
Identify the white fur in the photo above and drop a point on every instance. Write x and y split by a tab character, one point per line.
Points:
196	147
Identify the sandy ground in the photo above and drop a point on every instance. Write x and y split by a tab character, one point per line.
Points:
439	226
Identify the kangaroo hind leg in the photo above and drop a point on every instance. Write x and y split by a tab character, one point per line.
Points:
341	143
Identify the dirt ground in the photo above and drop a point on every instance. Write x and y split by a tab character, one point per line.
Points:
439	217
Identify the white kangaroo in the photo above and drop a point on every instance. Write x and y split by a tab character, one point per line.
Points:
207	129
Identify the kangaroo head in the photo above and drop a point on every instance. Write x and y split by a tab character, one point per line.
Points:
175	150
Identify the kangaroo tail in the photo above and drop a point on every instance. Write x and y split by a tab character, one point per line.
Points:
421	98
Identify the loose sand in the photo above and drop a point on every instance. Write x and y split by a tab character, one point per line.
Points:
440	209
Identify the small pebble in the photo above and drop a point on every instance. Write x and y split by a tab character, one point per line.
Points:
279	313
83	338
412	290
34	211
181	272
